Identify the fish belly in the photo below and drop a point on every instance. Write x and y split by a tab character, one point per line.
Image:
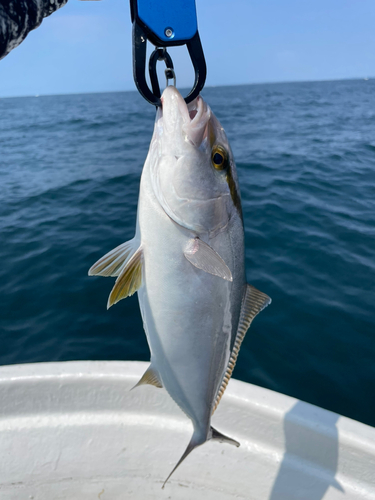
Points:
188	315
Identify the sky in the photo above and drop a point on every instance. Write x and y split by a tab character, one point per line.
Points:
87	47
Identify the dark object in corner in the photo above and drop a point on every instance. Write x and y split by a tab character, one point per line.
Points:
19	17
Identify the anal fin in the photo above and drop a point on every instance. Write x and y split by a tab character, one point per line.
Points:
150	377
253	303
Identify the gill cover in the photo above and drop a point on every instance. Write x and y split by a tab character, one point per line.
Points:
189	188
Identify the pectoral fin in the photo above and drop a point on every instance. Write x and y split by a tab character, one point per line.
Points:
205	258
111	263
253	303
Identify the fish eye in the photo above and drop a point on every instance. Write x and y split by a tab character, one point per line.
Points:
219	157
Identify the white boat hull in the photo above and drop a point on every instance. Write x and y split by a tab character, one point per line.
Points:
74	431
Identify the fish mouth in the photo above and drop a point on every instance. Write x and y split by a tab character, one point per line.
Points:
191	119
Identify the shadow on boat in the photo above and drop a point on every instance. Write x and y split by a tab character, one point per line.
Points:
307	445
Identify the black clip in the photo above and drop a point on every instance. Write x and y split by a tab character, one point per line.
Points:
142	33
160	54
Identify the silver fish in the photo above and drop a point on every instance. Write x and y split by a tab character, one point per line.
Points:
187	263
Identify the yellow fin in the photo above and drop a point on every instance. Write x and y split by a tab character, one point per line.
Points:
112	263
129	280
150	377
254	302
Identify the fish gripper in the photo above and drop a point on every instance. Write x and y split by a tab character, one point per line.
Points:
166	23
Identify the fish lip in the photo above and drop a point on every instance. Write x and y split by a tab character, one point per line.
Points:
170	94
194	116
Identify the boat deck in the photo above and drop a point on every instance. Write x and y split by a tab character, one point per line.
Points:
74	431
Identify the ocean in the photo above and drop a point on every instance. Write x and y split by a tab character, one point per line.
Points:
70	167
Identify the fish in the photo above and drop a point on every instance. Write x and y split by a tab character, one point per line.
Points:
187	263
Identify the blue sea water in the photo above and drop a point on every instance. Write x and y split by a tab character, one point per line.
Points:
305	152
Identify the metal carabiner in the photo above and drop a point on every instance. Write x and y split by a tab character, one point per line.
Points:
160	54
165	23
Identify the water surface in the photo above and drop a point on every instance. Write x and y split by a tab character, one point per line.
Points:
305	152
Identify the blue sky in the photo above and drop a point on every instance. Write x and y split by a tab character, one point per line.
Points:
86	46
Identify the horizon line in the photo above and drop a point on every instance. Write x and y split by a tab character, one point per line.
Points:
207	86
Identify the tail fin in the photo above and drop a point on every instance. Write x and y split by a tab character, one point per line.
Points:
217	436
197	440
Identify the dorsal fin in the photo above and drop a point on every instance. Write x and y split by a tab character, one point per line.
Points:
129	280
254	302
151	377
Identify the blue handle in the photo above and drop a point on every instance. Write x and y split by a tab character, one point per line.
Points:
171	21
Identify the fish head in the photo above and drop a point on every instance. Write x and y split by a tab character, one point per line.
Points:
192	168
